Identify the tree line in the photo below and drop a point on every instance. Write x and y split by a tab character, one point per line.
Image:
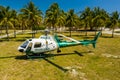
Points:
32	18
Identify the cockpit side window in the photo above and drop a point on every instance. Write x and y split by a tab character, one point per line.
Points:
37	45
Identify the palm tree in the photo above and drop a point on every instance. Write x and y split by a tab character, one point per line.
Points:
32	13
71	19
86	17
114	19
6	18
15	21
1	19
23	22
61	19
52	15
94	19
99	19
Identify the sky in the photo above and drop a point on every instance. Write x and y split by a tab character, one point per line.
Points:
77	5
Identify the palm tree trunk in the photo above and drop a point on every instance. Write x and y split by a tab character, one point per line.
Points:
70	31
32	32
22	29
96	30
14	33
54	29
0	30
113	33
101	31
7	33
85	31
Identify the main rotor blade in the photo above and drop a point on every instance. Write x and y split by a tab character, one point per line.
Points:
69	38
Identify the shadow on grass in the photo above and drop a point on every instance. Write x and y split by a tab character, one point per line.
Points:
24	57
18	40
38	56
46	57
15	39
8	57
56	65
103	36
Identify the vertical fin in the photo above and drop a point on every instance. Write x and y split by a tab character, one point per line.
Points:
95	39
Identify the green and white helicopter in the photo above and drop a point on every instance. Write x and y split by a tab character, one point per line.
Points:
46	43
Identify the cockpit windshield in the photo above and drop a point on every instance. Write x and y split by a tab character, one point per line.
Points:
24	45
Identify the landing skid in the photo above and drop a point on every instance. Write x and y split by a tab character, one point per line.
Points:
40	55
34	56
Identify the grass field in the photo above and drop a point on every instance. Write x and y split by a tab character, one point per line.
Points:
73	63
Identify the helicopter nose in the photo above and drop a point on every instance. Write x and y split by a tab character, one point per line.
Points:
21	50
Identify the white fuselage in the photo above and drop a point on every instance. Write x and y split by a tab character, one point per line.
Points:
40	45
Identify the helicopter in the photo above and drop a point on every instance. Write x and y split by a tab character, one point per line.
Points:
46	43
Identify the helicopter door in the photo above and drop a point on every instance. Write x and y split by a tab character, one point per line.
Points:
37	47
28	50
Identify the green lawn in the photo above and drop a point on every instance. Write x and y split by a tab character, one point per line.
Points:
73	63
